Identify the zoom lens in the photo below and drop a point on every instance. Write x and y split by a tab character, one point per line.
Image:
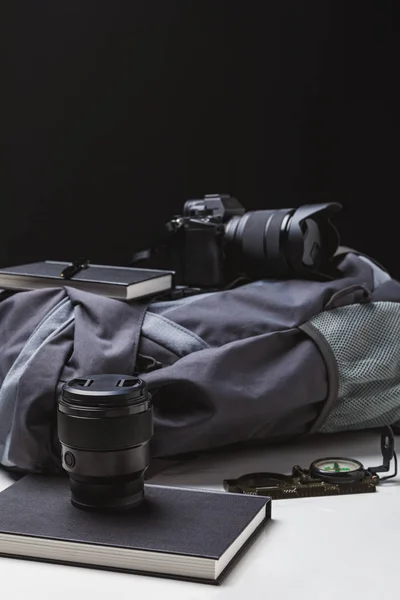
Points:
284	243
257	240
105	424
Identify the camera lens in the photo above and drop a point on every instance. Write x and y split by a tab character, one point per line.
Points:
105	424
285	242
257	240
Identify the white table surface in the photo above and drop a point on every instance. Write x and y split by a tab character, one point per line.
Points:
345	547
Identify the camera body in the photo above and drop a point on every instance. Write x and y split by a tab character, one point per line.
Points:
198	244
215	242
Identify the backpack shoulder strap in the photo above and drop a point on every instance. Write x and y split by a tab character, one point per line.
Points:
343	250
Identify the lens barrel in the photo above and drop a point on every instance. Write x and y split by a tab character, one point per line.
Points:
105	424
284	243
257	240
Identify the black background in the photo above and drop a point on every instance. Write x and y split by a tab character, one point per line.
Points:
114	113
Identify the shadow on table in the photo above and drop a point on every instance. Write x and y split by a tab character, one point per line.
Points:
210	468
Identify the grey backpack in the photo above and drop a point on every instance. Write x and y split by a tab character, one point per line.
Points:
266	361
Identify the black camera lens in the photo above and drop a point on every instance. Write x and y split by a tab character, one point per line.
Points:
256	241
283	243
105	424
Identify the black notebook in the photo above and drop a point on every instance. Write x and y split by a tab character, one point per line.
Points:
177	532
124	283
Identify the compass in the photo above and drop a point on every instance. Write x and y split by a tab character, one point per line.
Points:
324	477
339	470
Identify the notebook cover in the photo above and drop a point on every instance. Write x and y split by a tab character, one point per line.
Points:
173	520
109	274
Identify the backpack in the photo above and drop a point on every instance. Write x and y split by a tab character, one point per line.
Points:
263	362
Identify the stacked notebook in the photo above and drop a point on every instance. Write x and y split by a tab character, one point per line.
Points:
178	532
124	283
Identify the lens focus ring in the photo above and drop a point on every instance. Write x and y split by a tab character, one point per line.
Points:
105	434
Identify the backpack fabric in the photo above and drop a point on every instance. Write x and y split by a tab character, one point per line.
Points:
266	361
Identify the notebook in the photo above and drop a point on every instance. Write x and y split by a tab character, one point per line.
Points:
124	283
178	532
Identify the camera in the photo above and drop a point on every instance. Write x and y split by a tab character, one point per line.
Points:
215	241
105	424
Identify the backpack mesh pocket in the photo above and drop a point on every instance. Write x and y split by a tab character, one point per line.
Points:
365	340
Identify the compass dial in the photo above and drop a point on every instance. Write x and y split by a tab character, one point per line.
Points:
337	465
